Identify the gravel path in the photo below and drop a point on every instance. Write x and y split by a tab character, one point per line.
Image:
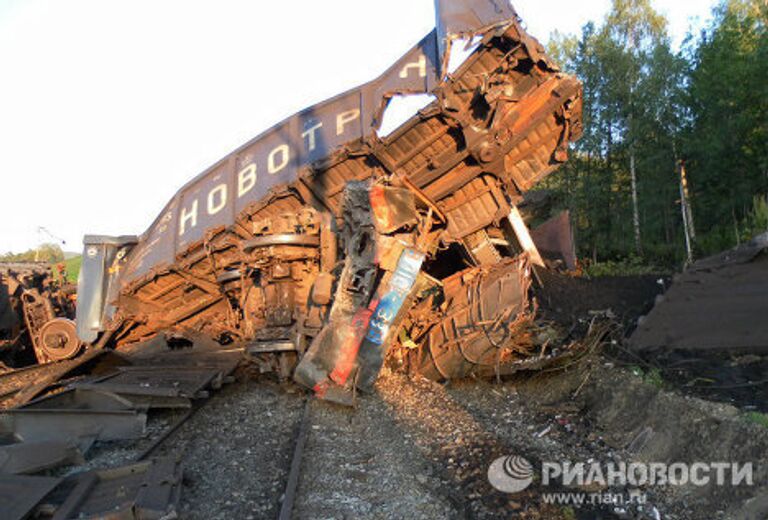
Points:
364	464
237	452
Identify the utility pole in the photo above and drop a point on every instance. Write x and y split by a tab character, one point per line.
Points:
635	207
633	41
685	208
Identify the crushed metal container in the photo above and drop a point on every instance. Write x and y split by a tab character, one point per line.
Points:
314	244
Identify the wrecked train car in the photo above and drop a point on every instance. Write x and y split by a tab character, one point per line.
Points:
36	315
321	245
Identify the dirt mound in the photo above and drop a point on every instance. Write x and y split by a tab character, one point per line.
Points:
639	421
567	299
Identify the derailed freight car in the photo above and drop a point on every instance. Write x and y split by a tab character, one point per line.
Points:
321	245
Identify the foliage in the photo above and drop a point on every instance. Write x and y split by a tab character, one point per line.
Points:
757	418
48	253
73	268
43	253
648	106
727	141
630	266
651	376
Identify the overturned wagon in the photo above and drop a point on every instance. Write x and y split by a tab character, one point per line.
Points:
322	245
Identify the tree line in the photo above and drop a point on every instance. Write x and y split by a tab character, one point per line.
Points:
47	252
648	109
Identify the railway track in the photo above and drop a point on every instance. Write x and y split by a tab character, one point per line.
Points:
291	487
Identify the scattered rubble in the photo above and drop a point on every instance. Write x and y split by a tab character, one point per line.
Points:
59	428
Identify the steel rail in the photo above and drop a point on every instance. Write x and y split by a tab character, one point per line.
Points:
289	497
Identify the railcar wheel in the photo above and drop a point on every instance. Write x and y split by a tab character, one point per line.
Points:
58	340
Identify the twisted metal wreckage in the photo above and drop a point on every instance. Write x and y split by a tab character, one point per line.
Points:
37	310
321	245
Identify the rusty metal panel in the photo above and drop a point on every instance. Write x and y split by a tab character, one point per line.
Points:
476	332
473	207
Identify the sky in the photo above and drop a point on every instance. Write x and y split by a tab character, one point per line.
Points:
108	107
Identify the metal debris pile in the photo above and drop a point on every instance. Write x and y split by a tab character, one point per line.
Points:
36	313
145	490
323	246
111	404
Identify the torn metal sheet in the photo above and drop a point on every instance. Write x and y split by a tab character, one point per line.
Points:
475	328
392	208
20	494
32	457
350	347
467	17
144	491
388	309
719	303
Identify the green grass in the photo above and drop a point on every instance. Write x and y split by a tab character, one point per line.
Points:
651	376
757	418
73	268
